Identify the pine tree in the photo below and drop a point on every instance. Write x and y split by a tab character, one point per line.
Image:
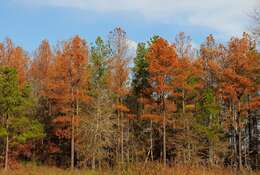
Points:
97	129
16	127
140	82
162	59
67	78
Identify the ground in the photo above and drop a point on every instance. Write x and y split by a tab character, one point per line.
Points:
134	170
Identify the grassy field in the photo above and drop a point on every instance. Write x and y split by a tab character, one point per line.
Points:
134	170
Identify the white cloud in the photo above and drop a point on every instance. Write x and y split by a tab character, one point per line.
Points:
131	53
132	44
228	17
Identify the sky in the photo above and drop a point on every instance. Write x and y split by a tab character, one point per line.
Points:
27	22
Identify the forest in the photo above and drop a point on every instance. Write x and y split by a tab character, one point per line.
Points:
80	105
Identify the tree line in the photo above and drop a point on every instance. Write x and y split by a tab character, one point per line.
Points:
88	106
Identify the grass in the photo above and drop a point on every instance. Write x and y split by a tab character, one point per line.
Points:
152	169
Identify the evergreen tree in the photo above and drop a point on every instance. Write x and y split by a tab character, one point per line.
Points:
16	126
140	75
209	129
97	126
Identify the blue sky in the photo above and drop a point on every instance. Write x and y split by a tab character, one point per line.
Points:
27	22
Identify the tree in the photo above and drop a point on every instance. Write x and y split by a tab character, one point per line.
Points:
140	72
185	87
256	26
183	45
142	93
237	83
118	76
209	128
253	120
66	82
38	71
183	73
76	53
97	127
15	57
16	127
211	65
162	59
174	107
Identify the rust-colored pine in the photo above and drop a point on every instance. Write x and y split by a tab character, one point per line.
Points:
66	79
162	59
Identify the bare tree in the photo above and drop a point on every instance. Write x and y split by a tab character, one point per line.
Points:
119	73
256	23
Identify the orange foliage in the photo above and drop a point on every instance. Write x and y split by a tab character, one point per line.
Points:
40	65
15	57
63	82
121	107
152	117
162	60
239	72
52	148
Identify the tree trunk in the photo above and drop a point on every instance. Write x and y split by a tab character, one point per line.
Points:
98	135
72	143
122	139
118	138
183	101
72	136
6	148
164	134
77	126
211	154
188	140
128	142
240	148
255	153
249	137
93	161
239	138
151	139
211	149
7	145
234	114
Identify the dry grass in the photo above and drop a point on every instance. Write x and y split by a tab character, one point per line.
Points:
152	169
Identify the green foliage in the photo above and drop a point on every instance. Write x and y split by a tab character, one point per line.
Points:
153	39
140	70
100	53
207	119
10	98
24	129
207	103
14	104
26	97
115	128
3	132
